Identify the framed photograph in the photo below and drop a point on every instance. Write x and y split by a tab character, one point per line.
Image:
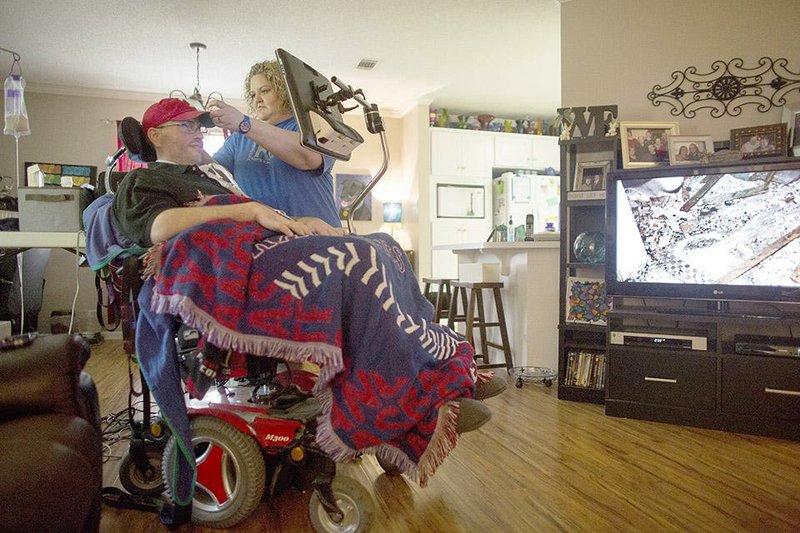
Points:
459	201
760	141
791	116
348	187
587	302
646	144
590	180
690	149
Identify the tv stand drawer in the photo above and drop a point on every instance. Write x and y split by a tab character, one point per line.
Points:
761	386
667	378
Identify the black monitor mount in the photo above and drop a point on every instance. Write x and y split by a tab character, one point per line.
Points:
318	108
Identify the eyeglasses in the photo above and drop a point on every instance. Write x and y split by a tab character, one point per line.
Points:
189	126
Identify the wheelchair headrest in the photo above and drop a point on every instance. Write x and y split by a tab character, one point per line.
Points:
139	148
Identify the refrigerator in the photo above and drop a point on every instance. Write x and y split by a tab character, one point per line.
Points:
516	194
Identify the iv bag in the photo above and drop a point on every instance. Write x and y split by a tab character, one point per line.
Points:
16	114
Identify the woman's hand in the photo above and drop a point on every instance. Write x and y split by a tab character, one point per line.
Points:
275	221
320	227
224	115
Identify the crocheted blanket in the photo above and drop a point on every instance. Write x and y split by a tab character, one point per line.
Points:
350	304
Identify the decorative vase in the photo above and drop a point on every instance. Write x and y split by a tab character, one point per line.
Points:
485	120
462	121
590	247
444	116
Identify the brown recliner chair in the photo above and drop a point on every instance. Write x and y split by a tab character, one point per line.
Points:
51	466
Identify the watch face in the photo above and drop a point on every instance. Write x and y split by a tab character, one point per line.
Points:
244	125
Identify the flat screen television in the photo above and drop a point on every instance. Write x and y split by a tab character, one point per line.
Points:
717	232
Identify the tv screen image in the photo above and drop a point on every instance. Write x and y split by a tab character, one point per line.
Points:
706	232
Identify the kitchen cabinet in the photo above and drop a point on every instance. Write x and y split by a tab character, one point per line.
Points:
461	153
536	152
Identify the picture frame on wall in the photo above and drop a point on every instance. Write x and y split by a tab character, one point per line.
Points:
590	180
646	144
791	117
690	149
760	141
347	187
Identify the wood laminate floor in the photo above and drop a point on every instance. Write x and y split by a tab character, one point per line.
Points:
540	464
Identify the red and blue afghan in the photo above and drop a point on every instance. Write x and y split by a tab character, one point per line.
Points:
351	305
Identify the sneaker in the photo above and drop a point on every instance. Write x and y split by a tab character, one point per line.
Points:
472	415
489	388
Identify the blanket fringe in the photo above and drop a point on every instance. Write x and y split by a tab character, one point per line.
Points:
328	357
445	438
151	260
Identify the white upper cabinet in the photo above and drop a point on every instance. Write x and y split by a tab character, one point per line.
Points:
512	150
461	153
546	152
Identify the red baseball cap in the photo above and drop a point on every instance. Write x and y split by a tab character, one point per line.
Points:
172	109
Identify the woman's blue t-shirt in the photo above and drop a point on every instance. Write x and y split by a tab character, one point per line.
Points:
264	177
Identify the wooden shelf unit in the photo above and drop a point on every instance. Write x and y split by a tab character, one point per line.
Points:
579	216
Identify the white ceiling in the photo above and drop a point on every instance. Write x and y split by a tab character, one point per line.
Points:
470	56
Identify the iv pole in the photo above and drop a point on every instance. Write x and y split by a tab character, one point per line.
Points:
17	57
16	63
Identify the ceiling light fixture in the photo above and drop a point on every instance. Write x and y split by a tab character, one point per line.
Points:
196	99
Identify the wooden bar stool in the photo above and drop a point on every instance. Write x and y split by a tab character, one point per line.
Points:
472	301
440	299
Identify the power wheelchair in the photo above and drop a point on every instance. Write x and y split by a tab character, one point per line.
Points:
251	432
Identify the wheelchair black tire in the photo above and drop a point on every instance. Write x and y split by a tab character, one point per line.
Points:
137	482
353	499
245	472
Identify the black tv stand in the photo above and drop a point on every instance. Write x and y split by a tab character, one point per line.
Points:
715	312
718	387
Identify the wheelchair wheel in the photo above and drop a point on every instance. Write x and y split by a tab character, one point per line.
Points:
230	472
353	499
142	483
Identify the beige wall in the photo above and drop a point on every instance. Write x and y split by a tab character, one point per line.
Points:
615	51
67	129
81	130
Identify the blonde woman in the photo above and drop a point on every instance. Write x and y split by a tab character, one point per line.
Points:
265	154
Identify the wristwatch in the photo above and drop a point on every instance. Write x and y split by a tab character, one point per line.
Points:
244	125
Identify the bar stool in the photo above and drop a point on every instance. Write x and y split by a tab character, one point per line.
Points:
475	300
441	304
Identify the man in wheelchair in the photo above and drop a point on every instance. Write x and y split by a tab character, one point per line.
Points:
392	381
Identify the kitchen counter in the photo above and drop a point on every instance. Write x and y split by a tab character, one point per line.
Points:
529	270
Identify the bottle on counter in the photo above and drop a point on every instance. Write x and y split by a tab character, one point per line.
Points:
510	233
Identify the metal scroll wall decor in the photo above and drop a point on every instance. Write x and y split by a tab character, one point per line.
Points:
727	88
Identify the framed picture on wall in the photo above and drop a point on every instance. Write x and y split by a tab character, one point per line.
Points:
760	141
690	149
347	188
646	144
